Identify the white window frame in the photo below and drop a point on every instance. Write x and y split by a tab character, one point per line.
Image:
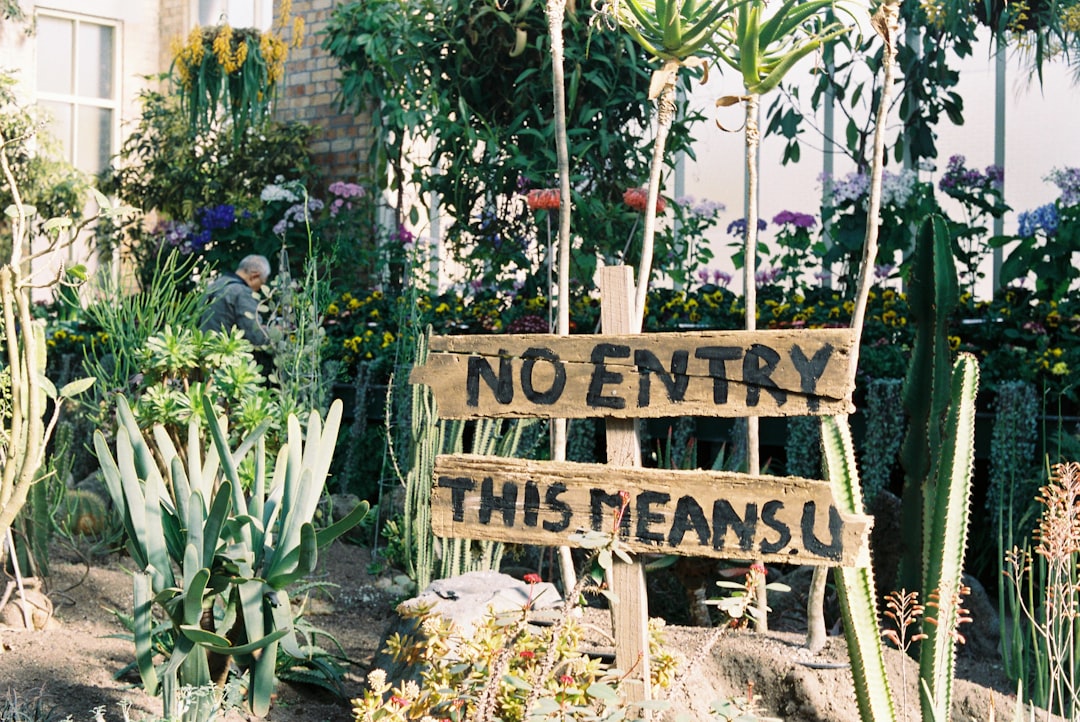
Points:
76	100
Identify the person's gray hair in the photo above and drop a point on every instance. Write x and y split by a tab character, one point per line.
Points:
255	264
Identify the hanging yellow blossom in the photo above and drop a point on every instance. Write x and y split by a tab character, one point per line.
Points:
297	31
1070	19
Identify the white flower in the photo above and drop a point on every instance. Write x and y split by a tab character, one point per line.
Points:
376	679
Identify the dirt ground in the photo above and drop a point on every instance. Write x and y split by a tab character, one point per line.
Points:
70	666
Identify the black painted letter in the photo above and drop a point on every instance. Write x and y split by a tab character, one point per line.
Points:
675	382
505	503
834	549
810	370
502	386
688	513
717	355
457	485
543	398
599	502
723	516
761	361
645	517
595	397
551	498
768	515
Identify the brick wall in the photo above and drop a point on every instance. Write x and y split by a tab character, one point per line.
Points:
174	23
310	95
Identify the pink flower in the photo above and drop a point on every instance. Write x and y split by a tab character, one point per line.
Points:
399	701
566	680
526	654
638	198
532	579
543	199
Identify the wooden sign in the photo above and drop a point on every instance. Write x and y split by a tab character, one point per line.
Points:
711	373
693	513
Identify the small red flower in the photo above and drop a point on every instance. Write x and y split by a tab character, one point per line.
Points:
543	199
638	198
533	579
566	680
526	654
399	701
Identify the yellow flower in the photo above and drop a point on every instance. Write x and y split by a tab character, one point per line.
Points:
222	45
954	342
297	31
354	303
1059	369
387	339
332	309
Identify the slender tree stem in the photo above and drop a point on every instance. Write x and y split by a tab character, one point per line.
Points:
556	11
886	22
753	434
665	112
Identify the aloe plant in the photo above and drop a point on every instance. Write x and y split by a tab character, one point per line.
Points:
215	558
673	32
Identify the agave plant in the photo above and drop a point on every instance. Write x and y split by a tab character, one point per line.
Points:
217	560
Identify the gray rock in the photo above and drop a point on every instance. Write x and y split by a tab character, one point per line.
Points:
465	600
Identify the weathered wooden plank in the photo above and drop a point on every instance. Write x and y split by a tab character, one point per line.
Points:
630	611
694	513
712	373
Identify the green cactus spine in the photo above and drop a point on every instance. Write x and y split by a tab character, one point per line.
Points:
855	585
933	294
946	507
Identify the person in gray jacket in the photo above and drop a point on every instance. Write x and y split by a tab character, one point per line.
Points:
233	300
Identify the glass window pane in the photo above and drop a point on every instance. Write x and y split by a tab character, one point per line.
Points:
55	40
95	60
59	124
95	139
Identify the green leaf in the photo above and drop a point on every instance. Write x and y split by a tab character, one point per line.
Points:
74	388
57	223
516	682
599	690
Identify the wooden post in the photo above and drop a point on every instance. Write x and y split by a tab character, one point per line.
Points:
630	614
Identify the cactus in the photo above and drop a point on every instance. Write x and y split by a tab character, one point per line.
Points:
431	437
855	585
235	551
933	295
946	506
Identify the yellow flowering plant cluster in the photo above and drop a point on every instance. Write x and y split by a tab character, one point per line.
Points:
233	72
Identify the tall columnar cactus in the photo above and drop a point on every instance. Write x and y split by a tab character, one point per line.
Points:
236	552
427	557
933	294
946	513
855	585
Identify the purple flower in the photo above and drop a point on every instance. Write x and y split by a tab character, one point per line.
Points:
216	218
1068	182
767	276
799	220
737	227
404	236
1044	218
883	271
721	278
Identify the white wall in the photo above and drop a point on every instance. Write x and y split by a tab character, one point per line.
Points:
1042	132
